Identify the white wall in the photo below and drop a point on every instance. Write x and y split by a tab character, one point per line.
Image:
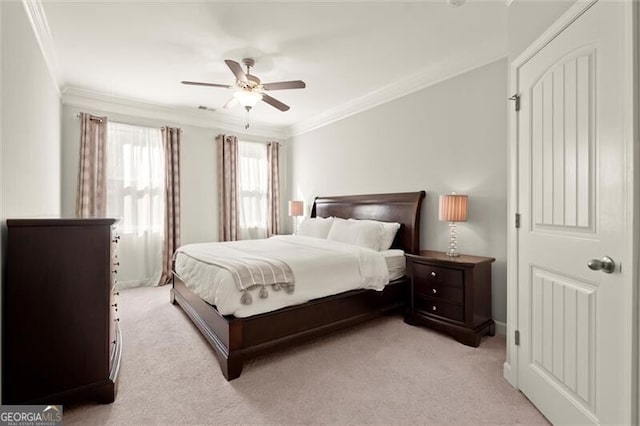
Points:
528	19
198	167
448	137
31	122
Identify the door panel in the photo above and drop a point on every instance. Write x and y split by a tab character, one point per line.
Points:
563	333
562	144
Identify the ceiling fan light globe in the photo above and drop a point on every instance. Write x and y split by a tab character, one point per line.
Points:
247	98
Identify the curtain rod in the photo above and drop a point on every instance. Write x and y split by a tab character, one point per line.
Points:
91	118
100	119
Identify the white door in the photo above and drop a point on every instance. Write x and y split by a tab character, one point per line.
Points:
575	353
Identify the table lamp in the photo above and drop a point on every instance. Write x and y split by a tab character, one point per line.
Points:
296	208
453	208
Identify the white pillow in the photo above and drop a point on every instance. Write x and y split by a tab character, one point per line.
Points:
359	233
389	231
317	227
341	231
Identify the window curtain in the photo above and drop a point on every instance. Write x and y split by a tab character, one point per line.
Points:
91	196
136	196
273	190
171	146
228	187
252	189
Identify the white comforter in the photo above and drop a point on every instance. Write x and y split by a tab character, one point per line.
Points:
320	267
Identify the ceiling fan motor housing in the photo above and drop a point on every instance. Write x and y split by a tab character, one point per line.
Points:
252	82
253	79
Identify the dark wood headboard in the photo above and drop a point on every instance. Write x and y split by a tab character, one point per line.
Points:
403	208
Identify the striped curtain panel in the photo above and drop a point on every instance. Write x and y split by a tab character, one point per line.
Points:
171	143
91	196
273	189
228	187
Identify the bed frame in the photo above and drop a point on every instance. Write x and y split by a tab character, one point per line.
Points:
236	340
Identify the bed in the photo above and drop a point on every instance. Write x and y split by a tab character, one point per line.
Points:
236	340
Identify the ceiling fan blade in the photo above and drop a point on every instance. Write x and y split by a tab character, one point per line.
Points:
231	103
274	102
236	69
282	85
197	83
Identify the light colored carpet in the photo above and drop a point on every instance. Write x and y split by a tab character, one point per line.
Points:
382	372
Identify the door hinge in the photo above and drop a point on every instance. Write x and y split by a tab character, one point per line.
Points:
517	220
517	337
516	98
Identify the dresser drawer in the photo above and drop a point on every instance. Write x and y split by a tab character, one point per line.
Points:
428	274
439	308
436	290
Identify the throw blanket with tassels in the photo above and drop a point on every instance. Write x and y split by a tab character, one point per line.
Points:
253	273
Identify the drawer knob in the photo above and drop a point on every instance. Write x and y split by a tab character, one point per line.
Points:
434	291
115	305
117	320
433	274
117	293
433	308
113	341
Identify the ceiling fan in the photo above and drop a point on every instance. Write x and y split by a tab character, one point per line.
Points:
250	90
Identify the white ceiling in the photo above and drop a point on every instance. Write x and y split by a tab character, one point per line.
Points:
344	51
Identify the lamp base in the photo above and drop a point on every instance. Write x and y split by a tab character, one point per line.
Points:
453	243
451	253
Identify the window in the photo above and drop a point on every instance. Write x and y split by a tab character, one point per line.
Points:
252	189
135	196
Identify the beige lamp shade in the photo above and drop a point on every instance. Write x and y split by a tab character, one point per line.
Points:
453	208
296	208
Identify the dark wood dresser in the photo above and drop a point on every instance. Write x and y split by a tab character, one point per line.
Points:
451	294
60	337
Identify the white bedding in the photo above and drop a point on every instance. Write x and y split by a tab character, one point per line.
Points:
320	267
396	263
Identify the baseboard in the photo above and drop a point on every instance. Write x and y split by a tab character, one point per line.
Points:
509	375
501	327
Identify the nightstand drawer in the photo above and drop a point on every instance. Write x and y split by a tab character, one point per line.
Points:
438	291
439	308
434	274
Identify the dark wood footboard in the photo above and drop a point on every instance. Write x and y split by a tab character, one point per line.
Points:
236	340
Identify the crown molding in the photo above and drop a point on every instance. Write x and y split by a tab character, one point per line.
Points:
406	86
38	20
85	98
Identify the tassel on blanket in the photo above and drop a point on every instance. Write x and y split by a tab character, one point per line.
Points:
263	292
276	287
246	298
288	287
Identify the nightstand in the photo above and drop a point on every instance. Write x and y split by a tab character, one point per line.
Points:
451	294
